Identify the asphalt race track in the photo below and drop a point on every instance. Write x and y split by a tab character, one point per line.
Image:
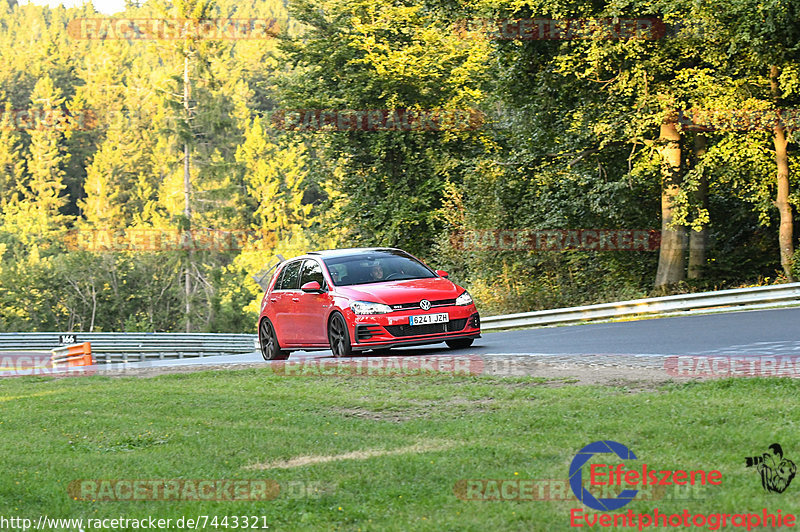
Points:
752	333
764	332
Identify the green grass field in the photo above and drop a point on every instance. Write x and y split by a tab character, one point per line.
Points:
377	453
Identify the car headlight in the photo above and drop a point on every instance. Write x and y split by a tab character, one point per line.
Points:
464	299
367	307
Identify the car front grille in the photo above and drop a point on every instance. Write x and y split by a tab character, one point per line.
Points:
433	328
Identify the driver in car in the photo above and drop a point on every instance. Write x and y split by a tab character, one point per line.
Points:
377	272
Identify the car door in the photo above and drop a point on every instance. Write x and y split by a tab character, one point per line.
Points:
312	309
281	300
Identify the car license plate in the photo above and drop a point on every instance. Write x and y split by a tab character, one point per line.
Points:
429	318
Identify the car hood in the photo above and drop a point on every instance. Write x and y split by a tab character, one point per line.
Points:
397	292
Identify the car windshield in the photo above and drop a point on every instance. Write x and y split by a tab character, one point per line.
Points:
375	267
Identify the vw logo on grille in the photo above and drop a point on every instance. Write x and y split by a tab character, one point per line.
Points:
425	304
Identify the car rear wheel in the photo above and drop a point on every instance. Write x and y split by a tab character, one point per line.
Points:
270	349
339	337
461	343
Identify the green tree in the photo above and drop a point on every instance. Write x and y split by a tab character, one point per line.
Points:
35	210
12	165
369	55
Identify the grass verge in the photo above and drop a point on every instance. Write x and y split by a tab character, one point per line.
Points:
387	452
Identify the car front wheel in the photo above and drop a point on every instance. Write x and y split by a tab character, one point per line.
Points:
339	337
270	349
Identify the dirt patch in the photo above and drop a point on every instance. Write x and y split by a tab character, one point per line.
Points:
414	409
391	416
639	386
301	461
539	382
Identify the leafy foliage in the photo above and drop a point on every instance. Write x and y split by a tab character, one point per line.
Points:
568	139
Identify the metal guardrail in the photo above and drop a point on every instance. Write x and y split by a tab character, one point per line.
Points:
657	305
136	347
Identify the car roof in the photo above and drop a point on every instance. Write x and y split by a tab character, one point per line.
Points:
330	253
347	251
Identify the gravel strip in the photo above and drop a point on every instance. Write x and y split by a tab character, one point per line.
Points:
616	370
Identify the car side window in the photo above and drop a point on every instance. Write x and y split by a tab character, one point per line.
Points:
290	276
312	271
279	274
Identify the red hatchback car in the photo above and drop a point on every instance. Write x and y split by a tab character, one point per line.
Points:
357	299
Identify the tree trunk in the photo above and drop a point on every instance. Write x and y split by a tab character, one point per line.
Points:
786	230
672	255
187	192
698	240
94	306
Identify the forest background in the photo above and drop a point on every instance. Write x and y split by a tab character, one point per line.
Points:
144	182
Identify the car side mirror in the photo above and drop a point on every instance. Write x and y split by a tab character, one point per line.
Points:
441	273
312	287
